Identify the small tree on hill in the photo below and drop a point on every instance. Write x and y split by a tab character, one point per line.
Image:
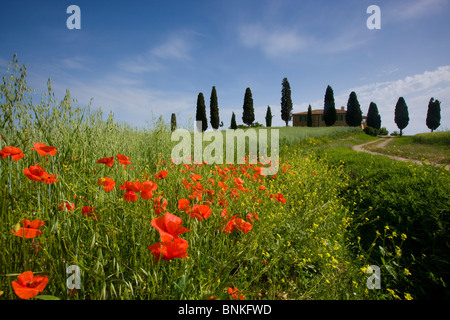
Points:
214	110
268	117
201	113
173	122
401	115
248	115
329	109
233	124
286	102
373	117
353	116
433	114
309	117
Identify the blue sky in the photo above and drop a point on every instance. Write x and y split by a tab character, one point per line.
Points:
142	59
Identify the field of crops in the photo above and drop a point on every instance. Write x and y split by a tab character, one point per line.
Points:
81	192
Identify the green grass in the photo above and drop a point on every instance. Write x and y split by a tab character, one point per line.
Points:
433	147
389	198
441	138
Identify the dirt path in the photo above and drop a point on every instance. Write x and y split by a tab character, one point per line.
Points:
360	148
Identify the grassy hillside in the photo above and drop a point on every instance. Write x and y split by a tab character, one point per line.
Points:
432	147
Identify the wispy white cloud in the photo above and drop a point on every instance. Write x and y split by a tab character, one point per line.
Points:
177	47
273	42
74	63
282	42
415	9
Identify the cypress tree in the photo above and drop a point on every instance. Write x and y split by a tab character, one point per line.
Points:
401	115
309	117
353	116
373	117
201	113
233	124
214	110
248	115
173	122
286	101
268	117
433	114
329	108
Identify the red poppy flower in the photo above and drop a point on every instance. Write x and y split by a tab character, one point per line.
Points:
29	229
222	185
234	293
36	173
69	206
15	153
160	205
170	250
107	183
200	211
89	211
107	161
169	226
123	159
237	223
183	204
262	188
43	149
238	180
280	198
147	188
186	184
195	177
252	217
28	285
161	174
224	213
130	196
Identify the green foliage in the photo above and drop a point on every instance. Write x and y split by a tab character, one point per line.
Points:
433	120
373	117
405	208
201	113
248	116
433	138
286	101
371	131
309	117
214	110
173	122
383	131
268	117
353	117
233	124
401	115
329	109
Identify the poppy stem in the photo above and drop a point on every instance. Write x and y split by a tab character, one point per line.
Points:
9	177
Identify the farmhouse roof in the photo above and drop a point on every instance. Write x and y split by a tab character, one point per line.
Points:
320	111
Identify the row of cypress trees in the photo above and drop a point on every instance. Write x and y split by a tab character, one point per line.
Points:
353	116
248	115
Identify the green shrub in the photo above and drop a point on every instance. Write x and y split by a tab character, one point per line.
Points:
371	131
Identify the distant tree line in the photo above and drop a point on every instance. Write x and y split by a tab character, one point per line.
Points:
353	115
